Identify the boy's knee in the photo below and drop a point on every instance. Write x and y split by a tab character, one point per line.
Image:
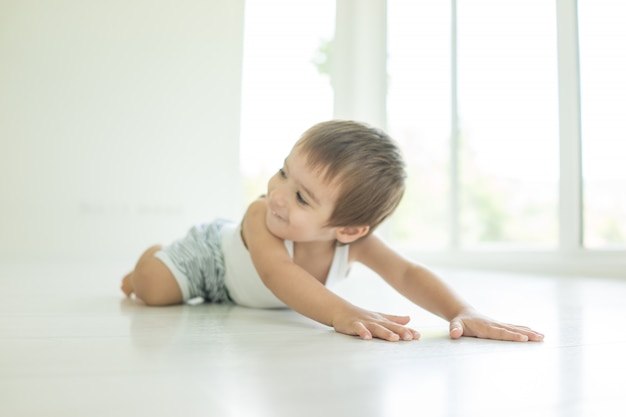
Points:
151	285
143	287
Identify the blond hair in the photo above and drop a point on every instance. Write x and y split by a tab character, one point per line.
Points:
366	164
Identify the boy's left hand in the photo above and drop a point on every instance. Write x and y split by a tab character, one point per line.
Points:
471	323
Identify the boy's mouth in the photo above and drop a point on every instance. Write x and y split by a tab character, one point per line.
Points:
273	210
278	216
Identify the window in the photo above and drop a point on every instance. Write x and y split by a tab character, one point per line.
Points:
507	123
418	117
486	99
286	88
491	110
602	36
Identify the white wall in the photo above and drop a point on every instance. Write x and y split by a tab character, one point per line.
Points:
119	123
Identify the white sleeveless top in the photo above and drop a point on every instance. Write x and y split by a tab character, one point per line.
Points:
245	286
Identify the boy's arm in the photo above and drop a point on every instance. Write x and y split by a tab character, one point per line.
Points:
305	294
425	289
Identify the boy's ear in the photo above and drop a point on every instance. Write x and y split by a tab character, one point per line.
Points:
351	233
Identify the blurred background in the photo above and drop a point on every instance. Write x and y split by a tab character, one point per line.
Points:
122	123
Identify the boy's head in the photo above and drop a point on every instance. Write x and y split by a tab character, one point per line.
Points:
364	162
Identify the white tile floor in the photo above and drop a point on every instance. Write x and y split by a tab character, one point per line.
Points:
71	345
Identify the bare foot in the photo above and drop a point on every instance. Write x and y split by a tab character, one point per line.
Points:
127	284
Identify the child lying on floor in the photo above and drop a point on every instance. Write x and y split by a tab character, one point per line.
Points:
338	183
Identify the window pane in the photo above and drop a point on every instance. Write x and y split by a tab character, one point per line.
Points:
602	36
286	88
508	123
418	114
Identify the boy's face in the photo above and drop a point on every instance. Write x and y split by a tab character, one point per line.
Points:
300	203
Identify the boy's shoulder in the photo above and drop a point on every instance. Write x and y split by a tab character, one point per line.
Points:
364	247
257	207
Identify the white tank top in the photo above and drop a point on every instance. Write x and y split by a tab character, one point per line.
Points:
245	286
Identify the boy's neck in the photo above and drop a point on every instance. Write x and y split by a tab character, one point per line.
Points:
316	246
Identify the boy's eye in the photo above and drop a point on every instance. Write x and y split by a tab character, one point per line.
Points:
299	197
301	200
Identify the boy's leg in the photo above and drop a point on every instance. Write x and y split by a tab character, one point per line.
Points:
152	281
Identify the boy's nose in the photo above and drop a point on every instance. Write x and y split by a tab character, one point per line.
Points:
279	196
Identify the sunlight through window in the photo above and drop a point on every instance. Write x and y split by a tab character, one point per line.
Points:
602	36
286	87
418	115
508	125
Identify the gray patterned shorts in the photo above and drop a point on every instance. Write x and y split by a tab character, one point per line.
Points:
197	263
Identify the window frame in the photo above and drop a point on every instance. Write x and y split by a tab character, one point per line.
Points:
571	257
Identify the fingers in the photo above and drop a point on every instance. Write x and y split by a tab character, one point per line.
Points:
532	335
362	331
404	333
493	330
456	329
385	331
369	325
514	333
381	332
415	334
501	333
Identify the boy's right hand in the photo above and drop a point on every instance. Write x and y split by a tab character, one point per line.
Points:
368	325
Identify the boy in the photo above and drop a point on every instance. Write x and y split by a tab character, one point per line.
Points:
340	181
